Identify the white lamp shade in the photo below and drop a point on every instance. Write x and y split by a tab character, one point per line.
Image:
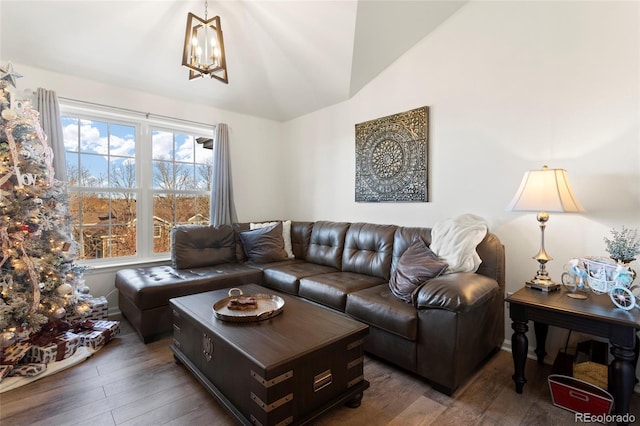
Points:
545	190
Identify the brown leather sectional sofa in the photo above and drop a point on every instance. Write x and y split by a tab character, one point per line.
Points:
454	323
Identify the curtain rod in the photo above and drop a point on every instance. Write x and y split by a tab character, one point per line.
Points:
146	114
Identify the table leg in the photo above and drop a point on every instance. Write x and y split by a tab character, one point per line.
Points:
637	355
541	331
355	401
622	378
519	347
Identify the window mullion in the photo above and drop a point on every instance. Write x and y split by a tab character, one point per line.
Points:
145	194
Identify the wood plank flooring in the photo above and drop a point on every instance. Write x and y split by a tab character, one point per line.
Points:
129	383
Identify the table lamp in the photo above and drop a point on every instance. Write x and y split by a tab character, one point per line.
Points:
544	191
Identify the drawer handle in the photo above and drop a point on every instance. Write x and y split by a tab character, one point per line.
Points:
579	396
207	347
322	380
354	344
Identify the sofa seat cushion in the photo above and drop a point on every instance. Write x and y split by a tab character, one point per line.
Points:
332	289
263	266
378	307
286	277
153	286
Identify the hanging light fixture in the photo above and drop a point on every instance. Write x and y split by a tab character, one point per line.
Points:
204	48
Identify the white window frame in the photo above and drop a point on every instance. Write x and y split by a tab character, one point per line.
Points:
143	123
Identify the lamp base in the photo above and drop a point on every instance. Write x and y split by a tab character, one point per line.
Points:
546	286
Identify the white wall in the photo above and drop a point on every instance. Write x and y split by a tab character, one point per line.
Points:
254	147
511	86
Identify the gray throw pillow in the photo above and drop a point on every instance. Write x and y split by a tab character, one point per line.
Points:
416	265
264	245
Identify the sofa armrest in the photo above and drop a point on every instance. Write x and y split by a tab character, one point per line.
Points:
458	292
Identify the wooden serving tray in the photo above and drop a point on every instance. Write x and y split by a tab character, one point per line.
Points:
269	306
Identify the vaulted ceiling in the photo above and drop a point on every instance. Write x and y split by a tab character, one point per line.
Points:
284	58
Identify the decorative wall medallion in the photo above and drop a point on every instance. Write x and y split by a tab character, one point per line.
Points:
391	157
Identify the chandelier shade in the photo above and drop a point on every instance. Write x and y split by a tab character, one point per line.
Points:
203	50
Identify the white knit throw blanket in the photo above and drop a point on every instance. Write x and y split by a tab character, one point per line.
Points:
455	240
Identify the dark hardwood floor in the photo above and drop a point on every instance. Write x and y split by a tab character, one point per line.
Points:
129	383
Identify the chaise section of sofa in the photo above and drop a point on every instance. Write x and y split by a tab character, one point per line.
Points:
203	259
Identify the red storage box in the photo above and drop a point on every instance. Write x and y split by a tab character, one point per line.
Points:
579	396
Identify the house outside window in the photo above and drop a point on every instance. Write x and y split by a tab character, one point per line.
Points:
130	180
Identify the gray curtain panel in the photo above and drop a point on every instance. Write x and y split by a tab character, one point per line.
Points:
47	105
222	210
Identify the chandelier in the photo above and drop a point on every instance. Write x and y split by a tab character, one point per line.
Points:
204	48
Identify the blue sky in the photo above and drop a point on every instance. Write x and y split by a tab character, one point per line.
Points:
95	146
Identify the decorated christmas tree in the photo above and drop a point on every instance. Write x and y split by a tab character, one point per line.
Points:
39	281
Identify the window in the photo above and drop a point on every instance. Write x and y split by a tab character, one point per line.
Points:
130	180
180	182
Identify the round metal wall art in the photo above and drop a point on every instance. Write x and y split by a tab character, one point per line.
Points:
391	158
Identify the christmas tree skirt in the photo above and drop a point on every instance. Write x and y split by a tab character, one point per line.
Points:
82	353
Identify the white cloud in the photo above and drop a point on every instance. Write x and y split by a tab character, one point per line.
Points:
123	147
162	145
92	141
184	150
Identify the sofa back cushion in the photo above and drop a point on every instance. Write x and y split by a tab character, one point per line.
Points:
491	251
327	243
300	238
368	249
194	246
238	228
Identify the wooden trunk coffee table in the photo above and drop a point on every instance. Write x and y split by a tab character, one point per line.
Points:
285	370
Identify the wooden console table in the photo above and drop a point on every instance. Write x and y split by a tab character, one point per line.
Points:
595	315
